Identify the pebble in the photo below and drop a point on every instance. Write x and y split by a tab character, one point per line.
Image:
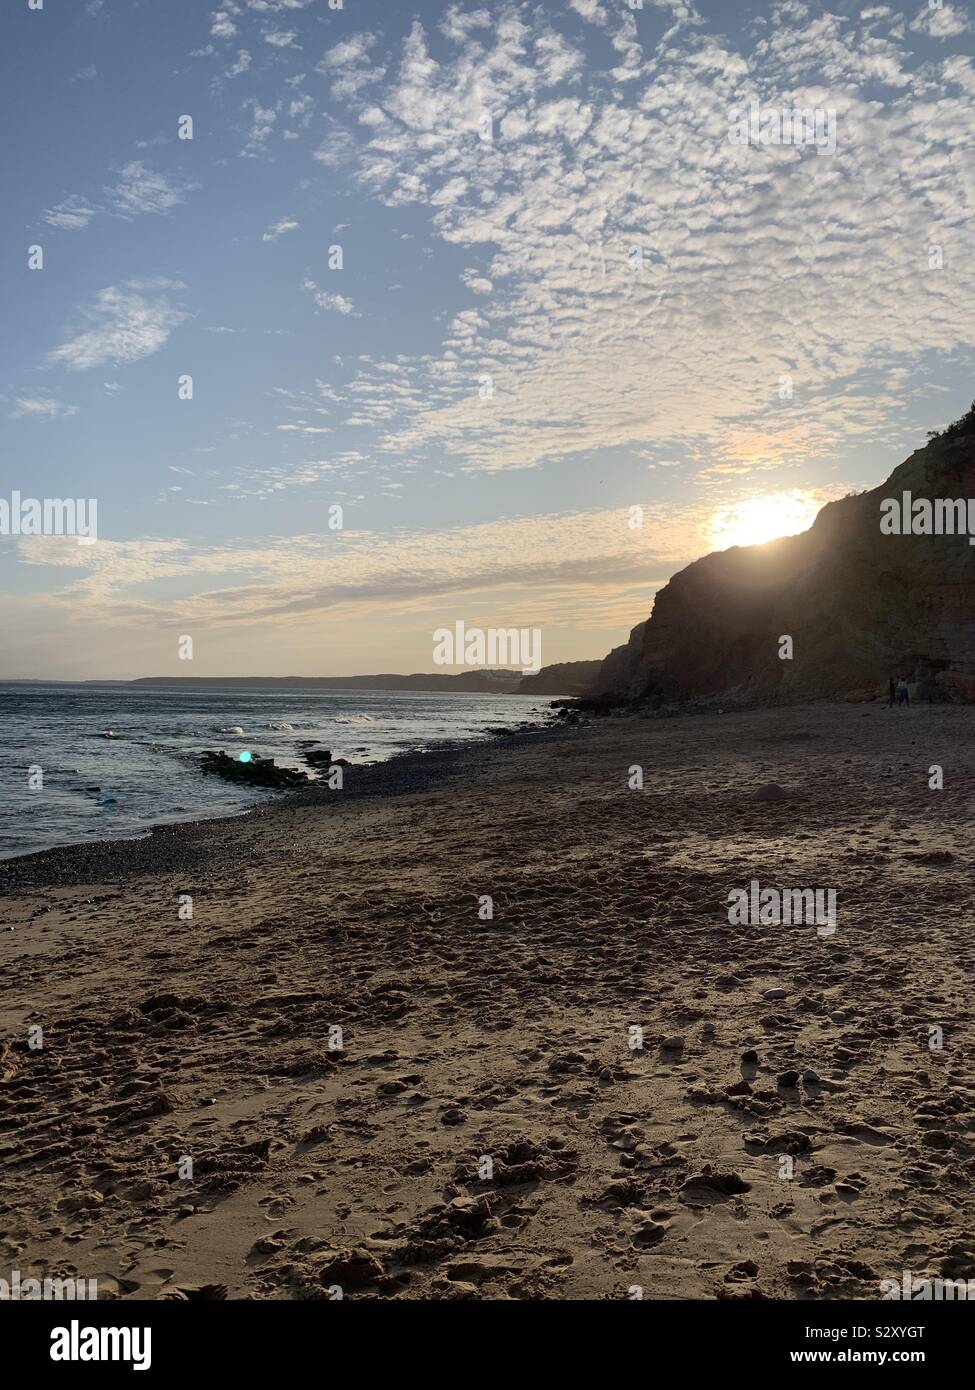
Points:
788	1078
775	994
810	1076
837	1016
750	1057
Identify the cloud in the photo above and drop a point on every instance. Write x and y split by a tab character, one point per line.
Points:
41	407
348	67
579	568
349	52
592	10
124	324
141	191
263	121
943	23
71	215
338	147
222	25
477	282
628	247
280	229
333	303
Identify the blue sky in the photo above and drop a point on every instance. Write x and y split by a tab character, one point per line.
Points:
563	293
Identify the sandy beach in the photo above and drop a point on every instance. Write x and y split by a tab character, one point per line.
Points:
486	1129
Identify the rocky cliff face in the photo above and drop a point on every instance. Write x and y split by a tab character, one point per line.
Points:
859	605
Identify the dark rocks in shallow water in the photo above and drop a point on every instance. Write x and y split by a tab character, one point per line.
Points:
258	772
318	757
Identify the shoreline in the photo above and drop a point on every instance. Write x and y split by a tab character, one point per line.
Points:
509	1036
161	844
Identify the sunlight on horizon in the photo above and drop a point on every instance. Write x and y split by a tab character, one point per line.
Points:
759	519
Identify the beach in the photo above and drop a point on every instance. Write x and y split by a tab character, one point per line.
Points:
388	1086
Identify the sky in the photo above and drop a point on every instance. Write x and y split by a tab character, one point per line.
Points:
492	279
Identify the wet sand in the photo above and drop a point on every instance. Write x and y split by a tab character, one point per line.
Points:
486	1129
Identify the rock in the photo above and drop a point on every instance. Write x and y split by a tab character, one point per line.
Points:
775	994
749	1057
259	772
788	1078
673	1044
837	1016
771	791
810	1077
318	757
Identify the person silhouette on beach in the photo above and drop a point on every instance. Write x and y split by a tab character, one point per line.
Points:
892	687
903	694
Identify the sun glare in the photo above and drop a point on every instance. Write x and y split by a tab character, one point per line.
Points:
759	519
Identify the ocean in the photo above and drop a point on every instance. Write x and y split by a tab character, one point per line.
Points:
95	787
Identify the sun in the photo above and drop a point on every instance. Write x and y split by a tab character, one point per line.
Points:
756	520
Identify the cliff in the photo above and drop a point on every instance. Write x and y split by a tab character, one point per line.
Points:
564	678
859	605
